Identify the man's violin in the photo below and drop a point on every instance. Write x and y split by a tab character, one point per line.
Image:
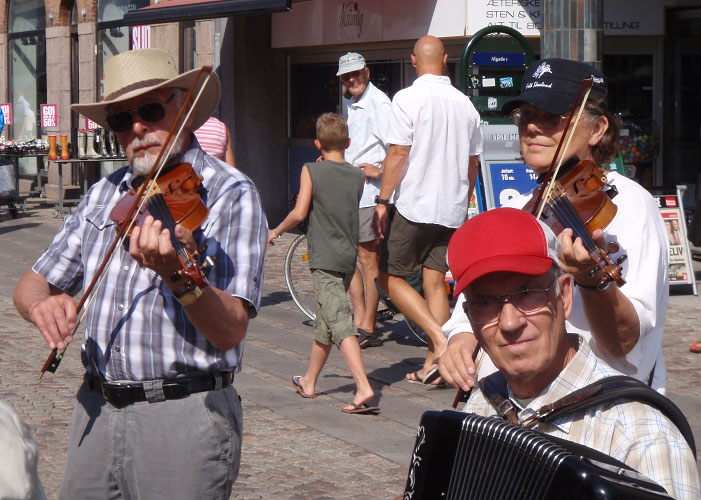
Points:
173	199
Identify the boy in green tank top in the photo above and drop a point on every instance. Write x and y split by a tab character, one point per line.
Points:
329	192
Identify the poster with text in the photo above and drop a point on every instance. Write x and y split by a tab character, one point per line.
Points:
679	270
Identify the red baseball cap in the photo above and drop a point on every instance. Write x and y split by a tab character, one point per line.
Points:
503	239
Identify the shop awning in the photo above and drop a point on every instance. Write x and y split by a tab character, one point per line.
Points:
190	10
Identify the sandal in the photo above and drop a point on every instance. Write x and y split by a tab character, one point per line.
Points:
368	339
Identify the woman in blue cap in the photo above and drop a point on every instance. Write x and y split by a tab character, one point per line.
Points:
624	323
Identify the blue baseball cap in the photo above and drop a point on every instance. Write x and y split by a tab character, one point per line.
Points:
552	85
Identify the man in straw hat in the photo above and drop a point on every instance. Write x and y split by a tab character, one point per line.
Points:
157	415
517	298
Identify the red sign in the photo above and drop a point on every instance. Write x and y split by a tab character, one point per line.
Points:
140	37
49	115
89	124
671	201
7	112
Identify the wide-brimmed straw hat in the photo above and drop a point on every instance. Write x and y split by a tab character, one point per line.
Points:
136	72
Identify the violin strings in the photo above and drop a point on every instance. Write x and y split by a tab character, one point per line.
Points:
159	209
566	214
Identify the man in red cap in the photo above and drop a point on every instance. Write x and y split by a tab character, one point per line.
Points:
517	299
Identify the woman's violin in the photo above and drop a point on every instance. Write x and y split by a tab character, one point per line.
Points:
577	199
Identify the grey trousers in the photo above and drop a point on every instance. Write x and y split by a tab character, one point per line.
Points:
178	449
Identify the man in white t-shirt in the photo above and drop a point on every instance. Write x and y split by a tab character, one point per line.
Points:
367	113
431	168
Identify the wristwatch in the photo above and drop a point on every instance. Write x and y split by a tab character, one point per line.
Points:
380	201
188	293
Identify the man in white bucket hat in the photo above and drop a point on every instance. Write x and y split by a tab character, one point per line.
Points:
157	415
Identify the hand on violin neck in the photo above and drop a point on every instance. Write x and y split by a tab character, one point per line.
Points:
575	259
151	246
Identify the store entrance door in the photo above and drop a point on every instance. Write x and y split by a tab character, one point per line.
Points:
682	106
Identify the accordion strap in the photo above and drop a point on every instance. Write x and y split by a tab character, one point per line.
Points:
617	389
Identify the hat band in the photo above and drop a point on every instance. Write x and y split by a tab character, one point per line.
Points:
134	86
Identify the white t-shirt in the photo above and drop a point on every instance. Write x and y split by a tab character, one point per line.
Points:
641	235
442	127
367	128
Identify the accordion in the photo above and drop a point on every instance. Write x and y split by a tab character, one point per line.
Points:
460	456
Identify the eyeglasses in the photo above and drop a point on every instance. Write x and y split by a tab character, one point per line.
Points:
150	112
488	309
353	74
522	117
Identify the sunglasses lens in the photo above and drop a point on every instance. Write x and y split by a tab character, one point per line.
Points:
119	122
151	112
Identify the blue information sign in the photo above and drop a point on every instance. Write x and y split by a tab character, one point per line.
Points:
509	179
499	59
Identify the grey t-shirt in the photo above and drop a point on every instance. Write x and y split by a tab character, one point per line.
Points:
332	238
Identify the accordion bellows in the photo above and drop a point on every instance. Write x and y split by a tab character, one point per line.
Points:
460	456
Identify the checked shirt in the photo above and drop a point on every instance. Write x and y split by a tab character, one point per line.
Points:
631	432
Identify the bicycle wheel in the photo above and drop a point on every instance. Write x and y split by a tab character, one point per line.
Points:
416	330
298	277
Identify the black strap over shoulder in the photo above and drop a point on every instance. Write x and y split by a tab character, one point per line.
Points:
618	387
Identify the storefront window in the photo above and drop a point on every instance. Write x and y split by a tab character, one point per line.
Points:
682	104
112	37
27	65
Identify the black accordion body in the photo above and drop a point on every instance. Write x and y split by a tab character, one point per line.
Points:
460	456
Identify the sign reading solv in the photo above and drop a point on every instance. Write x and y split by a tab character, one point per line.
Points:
491	69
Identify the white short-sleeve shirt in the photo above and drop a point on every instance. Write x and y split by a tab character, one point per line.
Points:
367	128
442	127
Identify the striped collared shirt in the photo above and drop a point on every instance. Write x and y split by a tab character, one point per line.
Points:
631	432
135	329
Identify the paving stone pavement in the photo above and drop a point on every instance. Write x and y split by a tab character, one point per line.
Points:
293	448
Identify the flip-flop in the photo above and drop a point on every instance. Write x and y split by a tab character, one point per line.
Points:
299	389
361	409
695	346
427	380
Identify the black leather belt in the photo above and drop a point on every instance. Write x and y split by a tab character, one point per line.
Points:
121	394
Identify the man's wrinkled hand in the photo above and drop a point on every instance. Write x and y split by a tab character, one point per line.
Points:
150	245
56	319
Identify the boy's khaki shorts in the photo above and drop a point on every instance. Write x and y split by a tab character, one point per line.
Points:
334	320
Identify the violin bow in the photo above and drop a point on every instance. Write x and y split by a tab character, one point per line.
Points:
176	129
558	158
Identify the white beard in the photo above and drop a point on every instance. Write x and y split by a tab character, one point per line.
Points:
143	164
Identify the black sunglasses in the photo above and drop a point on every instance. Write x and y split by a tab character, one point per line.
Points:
150	112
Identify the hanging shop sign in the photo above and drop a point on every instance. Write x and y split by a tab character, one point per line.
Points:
7	112
328	22
49	115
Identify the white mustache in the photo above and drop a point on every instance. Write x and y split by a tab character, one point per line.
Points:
146	142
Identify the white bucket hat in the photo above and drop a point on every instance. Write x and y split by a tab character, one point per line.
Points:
136	72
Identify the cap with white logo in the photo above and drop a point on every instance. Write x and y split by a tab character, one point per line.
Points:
552	85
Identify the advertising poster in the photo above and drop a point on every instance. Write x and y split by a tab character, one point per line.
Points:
7	112
679	271
49	115
508	180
